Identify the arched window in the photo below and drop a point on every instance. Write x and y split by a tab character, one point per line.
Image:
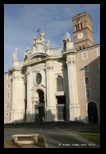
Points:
38	78
92	112
59	83
79	47
81	25
76	27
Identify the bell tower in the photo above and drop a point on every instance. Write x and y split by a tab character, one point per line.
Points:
82	30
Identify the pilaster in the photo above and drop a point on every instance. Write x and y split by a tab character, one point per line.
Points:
72	85
17	110
29	101
49	85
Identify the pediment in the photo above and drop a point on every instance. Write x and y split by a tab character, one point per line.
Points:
36	57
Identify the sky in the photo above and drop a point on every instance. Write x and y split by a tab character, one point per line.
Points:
21	22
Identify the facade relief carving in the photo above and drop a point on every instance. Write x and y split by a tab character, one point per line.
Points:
28	73
29	70
70	59
49	65
35	100
43	86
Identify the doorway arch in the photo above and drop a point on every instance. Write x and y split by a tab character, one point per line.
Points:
92	112
41	96
40	107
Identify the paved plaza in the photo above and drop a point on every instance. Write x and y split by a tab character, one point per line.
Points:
54	135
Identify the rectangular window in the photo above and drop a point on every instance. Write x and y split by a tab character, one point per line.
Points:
7	95
59	83
83	46
79	47
84	55
7	105
86	68
88	93
7	114
81	25
8	86
76	28
87	80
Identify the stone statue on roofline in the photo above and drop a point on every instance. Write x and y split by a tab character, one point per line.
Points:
67	43
38	43
28	52
39	39
48	44
15	55
67	37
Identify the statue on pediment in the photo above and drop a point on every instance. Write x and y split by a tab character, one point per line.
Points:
38	43
28	52
39	39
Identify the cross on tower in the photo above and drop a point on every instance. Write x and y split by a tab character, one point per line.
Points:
38	31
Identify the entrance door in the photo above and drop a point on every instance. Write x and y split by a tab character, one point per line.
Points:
40	108
61	108
36	113
60	112
92	112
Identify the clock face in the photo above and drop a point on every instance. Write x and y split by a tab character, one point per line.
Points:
80	35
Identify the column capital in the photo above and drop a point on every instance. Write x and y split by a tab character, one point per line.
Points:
70	59
49	65
71	62
48	68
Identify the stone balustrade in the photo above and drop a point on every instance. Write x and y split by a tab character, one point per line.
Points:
54	51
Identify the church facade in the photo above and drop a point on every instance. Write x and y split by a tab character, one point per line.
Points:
58	84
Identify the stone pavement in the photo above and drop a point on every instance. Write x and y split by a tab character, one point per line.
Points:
11	129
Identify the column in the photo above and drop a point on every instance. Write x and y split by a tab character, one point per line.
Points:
49	91
29	102
13	92
17	111
72	85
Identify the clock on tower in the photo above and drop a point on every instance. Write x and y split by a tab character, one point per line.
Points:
83	33
80	35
